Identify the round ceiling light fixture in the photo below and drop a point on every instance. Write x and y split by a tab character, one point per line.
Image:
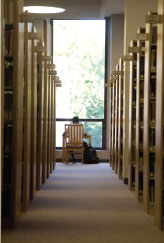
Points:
43	9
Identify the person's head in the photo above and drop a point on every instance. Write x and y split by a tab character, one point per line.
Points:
75	119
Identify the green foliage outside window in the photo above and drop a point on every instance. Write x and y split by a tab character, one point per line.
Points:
78	46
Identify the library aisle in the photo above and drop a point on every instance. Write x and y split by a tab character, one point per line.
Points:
84	203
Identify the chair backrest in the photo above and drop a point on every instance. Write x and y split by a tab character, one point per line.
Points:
74	134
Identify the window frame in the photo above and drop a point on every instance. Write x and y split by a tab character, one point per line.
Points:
103	120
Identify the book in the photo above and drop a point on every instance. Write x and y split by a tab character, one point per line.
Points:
154	34
9	36
153	60
151	193
8	74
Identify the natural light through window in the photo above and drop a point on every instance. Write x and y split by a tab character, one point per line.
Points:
79	55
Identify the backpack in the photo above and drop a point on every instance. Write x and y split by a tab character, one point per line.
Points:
90	155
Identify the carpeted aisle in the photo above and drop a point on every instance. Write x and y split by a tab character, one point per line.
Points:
84	203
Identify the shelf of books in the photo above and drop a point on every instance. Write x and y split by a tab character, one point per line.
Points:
13	112
149	113
2	86
113	119
159	156
114	101
45	59
40	49
51	107
132	114
53	129
116	118
146	115
110	85
116	126
120	119
34	36
141	37
49	118
53	164
110	122
26	119
57	84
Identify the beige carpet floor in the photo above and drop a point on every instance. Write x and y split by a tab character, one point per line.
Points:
84	204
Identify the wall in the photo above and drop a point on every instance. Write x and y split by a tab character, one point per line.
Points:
49	37
110	7
135	12
115	51
117	36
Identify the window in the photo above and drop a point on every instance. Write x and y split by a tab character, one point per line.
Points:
79	55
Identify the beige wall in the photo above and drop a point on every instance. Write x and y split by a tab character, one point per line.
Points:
110	7
135	12
115	51
117	37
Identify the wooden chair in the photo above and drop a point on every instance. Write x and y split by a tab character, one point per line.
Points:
72	140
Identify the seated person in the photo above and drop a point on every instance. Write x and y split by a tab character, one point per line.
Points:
76	120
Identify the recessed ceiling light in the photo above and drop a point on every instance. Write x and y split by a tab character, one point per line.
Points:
43	9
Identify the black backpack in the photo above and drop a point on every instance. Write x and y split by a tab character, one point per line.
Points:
90	155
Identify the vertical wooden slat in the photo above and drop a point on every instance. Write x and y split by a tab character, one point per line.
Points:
18	48
40	118
33	118
159	164
45	121
27	120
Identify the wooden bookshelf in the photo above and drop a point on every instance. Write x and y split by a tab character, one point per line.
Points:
132	114
45	119
116	118
2	87
113	122
27	119
40	49
53	132
141	37
110	122
159	156
49	124
27	112
51	116
54	124
146	116
34	39
120	120
13	113
149	114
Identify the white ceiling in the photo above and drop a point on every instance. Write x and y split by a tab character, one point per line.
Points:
81	9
